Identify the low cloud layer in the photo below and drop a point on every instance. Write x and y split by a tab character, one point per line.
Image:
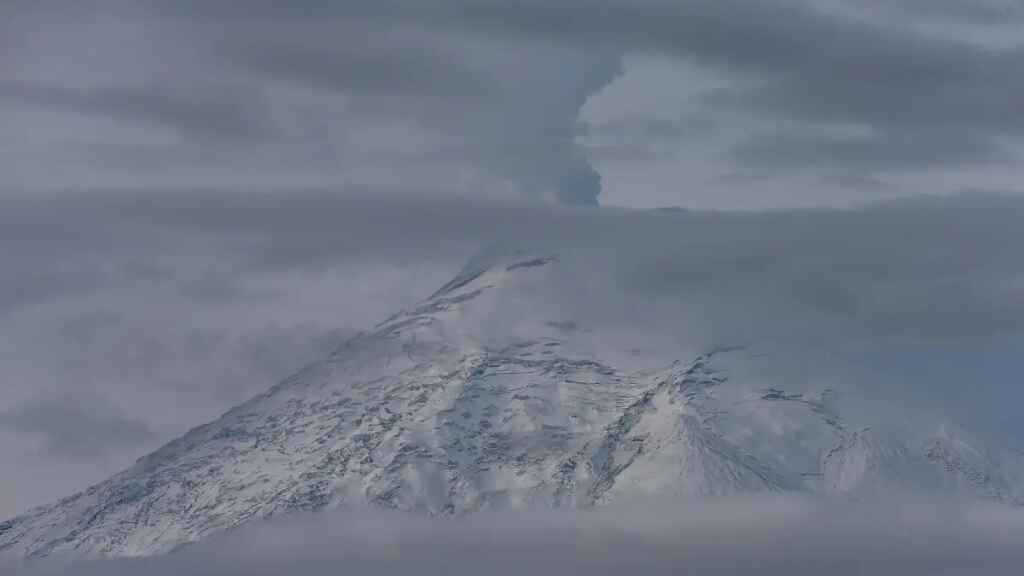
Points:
76	428
744	536
127	320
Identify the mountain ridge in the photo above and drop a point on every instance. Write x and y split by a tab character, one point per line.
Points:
430	412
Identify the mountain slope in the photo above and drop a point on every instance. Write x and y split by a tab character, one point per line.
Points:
475	399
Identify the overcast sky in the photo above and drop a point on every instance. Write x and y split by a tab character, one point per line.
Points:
199	196
700	103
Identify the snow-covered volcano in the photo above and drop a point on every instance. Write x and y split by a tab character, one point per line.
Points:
481	397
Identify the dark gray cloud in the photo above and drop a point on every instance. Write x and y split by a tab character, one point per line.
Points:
303	100
77	427
805	63
221	112
364	63
639	138
484	96
512	112
986	11
748	536
799	61
854	180
884	150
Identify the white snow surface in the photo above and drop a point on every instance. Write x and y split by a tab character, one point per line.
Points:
479	399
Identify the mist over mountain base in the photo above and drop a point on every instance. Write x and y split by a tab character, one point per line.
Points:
763	535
